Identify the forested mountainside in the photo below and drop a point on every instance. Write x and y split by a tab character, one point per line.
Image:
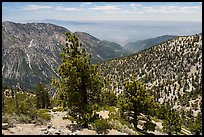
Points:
30	52
147	43
171	72
171	69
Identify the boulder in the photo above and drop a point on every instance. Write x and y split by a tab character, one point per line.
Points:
51	131
69	132
73	133
43	129
57	132
46	132
5	126
49	126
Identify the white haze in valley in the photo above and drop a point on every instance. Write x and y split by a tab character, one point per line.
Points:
123	32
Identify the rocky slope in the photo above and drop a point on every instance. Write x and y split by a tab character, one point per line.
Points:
59	126
147	43
30	52
101	50
171	69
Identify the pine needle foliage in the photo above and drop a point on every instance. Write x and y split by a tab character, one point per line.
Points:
80	82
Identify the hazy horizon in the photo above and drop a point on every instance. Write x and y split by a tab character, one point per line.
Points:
120	22
123	32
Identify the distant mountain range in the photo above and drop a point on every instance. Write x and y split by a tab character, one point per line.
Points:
147	43
30	52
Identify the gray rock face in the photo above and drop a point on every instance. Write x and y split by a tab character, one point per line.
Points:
30	52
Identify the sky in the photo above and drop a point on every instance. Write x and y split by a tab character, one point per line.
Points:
163	17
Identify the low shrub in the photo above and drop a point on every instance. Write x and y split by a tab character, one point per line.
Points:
149	126
24	118
44	116
58	109
43	110
101	126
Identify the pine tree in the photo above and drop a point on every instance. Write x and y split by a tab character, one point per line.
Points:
134	100
3	96
108	97
80	81
172	123
16	98
42	97
196	127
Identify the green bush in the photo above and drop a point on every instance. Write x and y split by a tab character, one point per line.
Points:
149	126
43	110
58	109
124	122
101	126
9	105
24	118
7	118
44	116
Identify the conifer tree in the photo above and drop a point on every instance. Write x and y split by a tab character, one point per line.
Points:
3	96
196	127
80	81
16	98
134	100
42	97
172	123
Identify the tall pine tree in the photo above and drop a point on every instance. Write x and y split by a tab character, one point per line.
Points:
42	97
172	122
80	82
134	100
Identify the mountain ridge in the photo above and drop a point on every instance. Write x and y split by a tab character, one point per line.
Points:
147	43
171	69
30	51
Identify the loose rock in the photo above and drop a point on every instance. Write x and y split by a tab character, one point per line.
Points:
43	129
49	126
57	132
46	132
4	126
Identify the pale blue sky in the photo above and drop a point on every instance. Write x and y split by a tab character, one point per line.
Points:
92	11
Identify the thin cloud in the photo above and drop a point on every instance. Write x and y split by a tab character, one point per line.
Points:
106	8
171	9
62	8
35	7
86	3
135	5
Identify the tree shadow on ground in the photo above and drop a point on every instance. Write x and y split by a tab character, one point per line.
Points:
144	132
74	127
